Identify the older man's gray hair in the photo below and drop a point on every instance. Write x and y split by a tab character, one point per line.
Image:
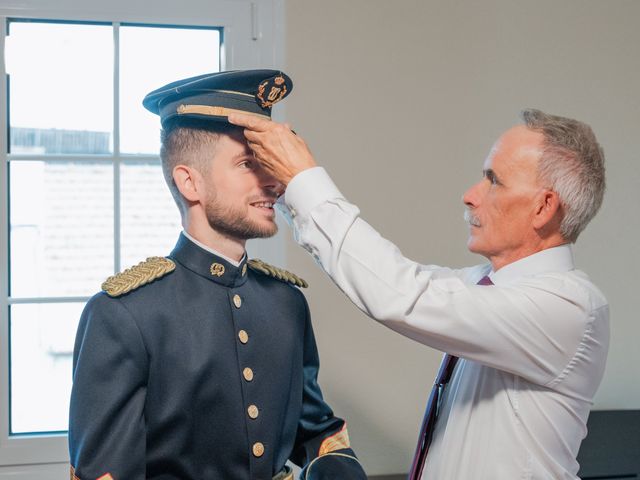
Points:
572	164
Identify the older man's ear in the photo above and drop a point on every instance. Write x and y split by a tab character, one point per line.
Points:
548	214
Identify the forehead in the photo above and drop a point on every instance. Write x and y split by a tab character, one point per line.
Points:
230	146
518	149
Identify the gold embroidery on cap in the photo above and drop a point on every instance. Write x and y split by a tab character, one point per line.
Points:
275	93
214	111
217	269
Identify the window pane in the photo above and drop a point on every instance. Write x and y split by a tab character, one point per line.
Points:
152	57
61	227
42	338
150	218
61	87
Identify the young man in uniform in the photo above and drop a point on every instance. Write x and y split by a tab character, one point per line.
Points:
203	365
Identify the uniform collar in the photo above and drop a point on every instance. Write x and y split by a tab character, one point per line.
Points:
208	265
211	250
556	259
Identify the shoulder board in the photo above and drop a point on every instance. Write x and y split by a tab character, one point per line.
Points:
275	272
145	272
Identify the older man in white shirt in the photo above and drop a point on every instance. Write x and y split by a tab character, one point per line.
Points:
532	347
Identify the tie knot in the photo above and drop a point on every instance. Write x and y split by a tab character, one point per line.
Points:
485	281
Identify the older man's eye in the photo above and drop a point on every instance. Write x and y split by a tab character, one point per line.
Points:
491	176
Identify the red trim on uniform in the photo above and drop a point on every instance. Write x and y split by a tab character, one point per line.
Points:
336	441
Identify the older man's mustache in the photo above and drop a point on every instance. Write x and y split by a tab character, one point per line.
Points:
471	219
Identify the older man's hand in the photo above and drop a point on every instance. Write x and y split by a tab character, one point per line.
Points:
280	151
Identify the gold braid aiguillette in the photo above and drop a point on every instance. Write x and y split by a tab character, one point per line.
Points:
143	273
275	272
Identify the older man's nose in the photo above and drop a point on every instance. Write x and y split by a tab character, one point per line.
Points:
471	196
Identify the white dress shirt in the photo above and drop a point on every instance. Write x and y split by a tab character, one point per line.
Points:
533	346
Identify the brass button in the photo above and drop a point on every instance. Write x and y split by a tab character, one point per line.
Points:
253	412
244	269
243	336
258	449
216	269
237	301
247	373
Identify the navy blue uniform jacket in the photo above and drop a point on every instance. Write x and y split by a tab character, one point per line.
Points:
161	388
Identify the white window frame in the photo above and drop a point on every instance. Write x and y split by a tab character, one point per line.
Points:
253	37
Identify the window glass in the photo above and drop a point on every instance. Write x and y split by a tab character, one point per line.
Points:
64	212
150	58
60	88
42	337
61	227
150	218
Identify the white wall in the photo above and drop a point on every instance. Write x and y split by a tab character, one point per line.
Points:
401	101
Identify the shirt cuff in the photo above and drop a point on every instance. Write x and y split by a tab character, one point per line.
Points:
308	189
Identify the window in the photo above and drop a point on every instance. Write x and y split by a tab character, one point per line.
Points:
87	194
83	194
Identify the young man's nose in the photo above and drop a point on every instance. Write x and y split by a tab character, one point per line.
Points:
270	183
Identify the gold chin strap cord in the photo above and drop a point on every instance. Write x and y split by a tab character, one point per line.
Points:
215	111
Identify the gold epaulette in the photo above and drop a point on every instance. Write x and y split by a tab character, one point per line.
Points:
275	272
145	272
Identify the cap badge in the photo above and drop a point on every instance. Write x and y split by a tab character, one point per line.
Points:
217	269
271	91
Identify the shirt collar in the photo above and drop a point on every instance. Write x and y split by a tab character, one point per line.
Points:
556	259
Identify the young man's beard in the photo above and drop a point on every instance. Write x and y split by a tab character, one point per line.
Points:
232	223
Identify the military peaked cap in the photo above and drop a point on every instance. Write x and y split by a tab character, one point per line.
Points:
214	96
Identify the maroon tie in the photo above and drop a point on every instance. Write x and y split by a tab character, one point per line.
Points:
431	413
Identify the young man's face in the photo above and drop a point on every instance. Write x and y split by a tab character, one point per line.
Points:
240	194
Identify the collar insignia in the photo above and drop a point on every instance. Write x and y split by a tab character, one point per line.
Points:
217	269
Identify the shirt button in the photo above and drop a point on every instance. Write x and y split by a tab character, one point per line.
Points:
237	301
243	336
247	373
253	412
258	449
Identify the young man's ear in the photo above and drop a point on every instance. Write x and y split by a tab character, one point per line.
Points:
187	181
